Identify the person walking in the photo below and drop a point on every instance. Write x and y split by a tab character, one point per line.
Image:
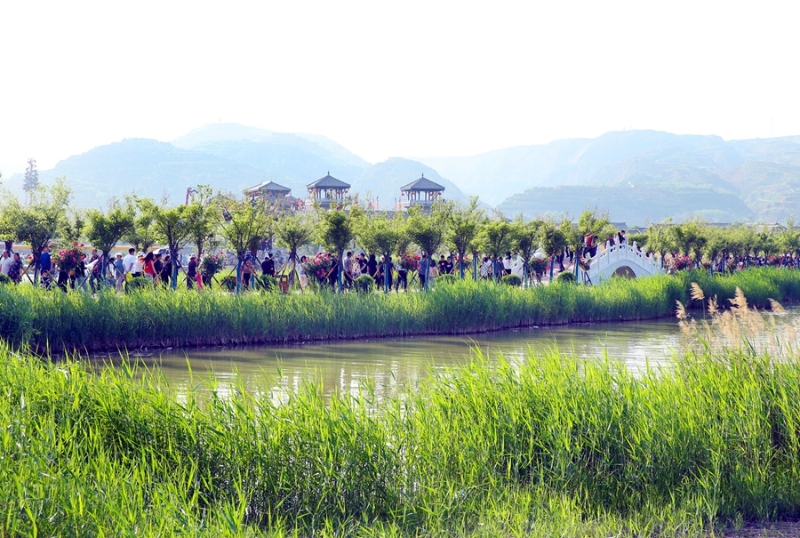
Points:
166	270
46	262
119	272
424	270
347	266
268	266
15	269
95	270
129	261
5	265
191	272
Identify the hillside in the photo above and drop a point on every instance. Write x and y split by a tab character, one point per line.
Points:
763	173
219	157
148	167
383	181
631	204
662	174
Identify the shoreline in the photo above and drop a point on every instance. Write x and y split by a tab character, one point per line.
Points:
96	355
156	319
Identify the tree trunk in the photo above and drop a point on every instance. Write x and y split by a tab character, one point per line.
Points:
385	273
339	270
239	275
173	255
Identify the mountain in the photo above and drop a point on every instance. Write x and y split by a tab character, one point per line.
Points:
233	132
636	175
383	181
763	174
649	156
225	156
148	167
634	205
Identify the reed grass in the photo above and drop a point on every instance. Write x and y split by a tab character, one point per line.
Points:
57	322
548	446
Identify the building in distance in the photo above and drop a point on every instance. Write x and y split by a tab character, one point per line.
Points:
421	192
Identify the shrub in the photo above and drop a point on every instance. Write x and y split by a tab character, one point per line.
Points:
228	282
512	280
364	284
5	279
265	282
446	280
137	283
565	278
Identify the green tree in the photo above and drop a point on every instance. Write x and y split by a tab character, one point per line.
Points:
496	238
384	236
203	222
789	238
243	223
660	239
31	180
553	242
172	225
293	231
37	222
143	234
73	227
107	228
336	231
428	231
715	243
526	239
463	228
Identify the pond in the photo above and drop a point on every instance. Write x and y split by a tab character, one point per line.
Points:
393	364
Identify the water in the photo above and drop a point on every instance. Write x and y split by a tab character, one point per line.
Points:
393	365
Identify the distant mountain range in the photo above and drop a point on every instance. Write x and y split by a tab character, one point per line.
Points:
228	157
638	176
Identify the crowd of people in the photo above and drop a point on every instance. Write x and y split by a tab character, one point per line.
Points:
89	272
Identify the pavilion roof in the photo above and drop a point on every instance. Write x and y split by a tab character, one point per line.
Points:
269	186
328	182
422	184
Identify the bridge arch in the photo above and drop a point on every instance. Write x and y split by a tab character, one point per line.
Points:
625	258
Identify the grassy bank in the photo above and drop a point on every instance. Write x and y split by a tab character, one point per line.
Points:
76	321
552	447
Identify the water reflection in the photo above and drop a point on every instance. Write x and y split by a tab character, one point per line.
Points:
389	366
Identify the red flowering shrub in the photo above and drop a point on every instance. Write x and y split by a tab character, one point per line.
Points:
410	262
67	259
320	265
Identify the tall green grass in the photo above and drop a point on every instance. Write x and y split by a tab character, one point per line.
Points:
554	446
57	322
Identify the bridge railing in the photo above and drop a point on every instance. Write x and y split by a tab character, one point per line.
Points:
626	251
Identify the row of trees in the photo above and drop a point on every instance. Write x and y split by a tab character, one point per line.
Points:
212	220
712	244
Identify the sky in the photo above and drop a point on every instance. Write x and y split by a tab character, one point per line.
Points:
413	79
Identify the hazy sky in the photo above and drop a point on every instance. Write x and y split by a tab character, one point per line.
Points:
387	79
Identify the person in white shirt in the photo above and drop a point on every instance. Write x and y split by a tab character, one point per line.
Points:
138	266
7	262
507	264
128	261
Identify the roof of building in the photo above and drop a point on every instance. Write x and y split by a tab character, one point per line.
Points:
328	182
422	184
269	186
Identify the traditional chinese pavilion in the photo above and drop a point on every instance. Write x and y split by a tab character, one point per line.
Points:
270	190
422	192
327	192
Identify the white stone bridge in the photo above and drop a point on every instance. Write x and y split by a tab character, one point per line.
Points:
625	260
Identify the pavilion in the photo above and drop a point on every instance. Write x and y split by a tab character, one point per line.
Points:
328	192
271	190
422	192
